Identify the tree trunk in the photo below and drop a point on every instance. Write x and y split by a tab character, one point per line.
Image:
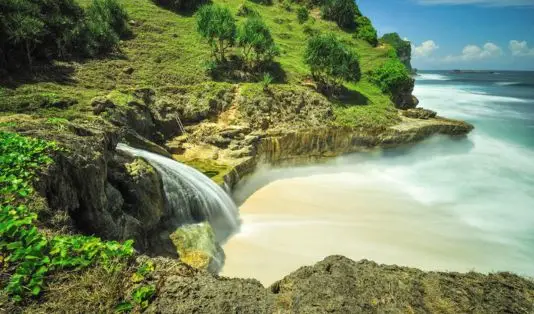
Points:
221	48
29	54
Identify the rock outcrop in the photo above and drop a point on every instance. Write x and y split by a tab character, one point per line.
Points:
340	285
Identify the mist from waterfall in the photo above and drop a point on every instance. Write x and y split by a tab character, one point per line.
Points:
192	196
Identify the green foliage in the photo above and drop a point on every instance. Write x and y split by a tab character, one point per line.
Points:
402	47
264	2
180	5
343	12
26	253
266	80
216	24
143	271
105	24
246	10
366	31
331	62
257	43
302	14
391	77
20	157
56	29
143	295
286	5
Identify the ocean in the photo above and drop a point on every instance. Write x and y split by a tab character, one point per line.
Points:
444	204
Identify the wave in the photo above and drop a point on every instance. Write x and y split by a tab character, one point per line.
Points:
507	83
455	102
432	77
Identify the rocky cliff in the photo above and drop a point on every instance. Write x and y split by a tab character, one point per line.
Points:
334	285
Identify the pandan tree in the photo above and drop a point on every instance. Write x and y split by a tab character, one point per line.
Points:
331	62
216	24
257	42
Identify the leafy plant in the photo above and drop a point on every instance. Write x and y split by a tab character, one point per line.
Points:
143	271
302	14
26	253
392	77
331	62
105	25
343	12
143	295
366	31
266	80
216	24
46	30
257	43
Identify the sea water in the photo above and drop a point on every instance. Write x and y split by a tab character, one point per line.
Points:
444	204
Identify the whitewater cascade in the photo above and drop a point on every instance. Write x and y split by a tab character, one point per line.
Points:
192	196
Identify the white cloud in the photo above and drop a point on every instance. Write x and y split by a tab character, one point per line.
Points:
474	52
520	48
491	3
425	49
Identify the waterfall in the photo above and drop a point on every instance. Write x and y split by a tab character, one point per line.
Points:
192	196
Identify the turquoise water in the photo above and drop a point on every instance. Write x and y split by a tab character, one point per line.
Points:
444	204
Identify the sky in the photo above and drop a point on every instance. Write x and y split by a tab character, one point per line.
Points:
460	34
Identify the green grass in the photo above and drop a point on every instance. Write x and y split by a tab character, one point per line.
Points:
166	50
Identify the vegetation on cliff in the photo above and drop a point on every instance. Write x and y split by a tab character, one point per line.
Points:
46	30
143	90
28	254
403	48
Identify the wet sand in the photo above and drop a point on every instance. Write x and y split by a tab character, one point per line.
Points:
295	222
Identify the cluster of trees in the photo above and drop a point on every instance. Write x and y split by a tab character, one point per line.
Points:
392	77
180	5
217	25
347	15
403	48
331	62
52	29
343	12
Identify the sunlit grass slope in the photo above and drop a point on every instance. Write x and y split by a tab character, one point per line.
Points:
166	50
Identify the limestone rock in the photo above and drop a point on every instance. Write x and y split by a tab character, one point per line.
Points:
101	104
419	113
197	248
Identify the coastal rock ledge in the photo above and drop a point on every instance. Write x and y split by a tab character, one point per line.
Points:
340	285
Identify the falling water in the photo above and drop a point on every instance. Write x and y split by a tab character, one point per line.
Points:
192	196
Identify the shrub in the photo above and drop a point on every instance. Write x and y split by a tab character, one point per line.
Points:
180	5
47	30
217	25
30	29
264	2
266	80
302	15
402	47
343	12
27	254
392	77
366	31
105	25
286	5
331	62
256	41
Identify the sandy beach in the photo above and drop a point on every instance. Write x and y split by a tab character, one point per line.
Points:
299	221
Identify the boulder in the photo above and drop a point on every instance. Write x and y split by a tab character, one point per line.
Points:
419	113
197	248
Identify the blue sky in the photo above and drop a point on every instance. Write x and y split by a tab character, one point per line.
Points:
460	34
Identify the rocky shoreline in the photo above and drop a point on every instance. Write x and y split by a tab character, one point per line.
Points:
117	196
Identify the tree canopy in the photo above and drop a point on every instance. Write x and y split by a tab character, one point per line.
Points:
331	62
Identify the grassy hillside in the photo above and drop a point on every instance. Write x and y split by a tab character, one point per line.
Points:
166	50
